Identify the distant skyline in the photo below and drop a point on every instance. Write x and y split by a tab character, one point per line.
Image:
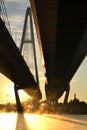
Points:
16	11
78	84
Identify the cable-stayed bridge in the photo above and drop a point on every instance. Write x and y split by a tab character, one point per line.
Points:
13	62
62	35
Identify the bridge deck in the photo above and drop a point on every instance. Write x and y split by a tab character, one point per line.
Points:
12	64
62	27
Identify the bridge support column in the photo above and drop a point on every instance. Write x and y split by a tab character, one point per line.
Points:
18	103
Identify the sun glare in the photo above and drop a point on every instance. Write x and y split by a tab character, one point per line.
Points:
7	91
37	121
23	95
7	121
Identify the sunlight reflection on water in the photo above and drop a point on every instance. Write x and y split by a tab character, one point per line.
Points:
8	121
14	121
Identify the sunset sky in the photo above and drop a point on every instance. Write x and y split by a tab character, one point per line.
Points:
16	11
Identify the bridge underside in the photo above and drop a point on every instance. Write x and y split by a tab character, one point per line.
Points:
62	27
12	64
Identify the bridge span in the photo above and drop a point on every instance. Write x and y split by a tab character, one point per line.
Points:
62	33
12	64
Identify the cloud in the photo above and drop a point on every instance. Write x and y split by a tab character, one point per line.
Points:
16	10
16	24
19	1
16	7
15	20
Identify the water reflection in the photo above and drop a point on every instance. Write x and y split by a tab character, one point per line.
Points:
7	121
70	119
17	121
21	122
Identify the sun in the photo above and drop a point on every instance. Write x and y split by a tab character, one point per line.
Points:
23	95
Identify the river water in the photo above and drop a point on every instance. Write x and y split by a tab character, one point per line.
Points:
15	121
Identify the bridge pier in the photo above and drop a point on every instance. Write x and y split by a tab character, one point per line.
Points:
18	103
